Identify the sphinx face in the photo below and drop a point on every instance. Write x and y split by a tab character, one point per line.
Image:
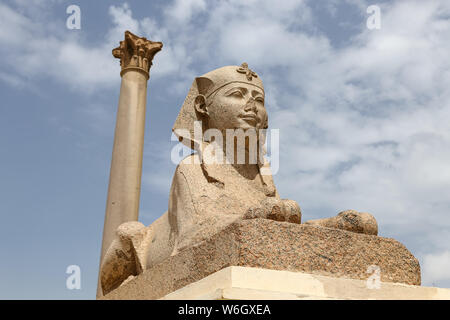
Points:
237	106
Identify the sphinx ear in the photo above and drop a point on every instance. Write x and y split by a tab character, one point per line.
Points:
200	105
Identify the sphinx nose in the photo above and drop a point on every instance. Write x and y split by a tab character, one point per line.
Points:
251	105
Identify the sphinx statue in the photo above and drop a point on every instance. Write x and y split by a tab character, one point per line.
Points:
210	189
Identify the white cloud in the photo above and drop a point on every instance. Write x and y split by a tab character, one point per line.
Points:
32	49
122	20
436	268
181	11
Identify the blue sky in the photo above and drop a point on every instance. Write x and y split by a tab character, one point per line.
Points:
363	118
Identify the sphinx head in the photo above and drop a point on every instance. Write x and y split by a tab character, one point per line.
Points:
230	97
235	105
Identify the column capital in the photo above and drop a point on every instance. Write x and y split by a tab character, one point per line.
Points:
136	53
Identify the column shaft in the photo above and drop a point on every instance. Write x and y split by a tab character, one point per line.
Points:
126	165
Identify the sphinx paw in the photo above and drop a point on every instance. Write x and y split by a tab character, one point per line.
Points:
349	220
277	210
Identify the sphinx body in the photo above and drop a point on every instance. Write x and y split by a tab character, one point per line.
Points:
208	193
200	204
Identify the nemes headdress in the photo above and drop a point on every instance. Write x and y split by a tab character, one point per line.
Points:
207	85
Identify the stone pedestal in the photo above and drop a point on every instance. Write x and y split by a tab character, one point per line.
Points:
295	251
244	283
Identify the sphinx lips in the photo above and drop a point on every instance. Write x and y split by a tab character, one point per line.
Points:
249	118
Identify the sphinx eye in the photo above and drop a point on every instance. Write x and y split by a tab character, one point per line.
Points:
237	93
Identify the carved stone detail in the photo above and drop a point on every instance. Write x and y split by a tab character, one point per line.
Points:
248	72
136	53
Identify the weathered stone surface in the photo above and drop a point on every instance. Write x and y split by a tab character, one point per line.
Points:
246	283
279	246
350	220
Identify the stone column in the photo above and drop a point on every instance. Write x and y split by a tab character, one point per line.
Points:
136	55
